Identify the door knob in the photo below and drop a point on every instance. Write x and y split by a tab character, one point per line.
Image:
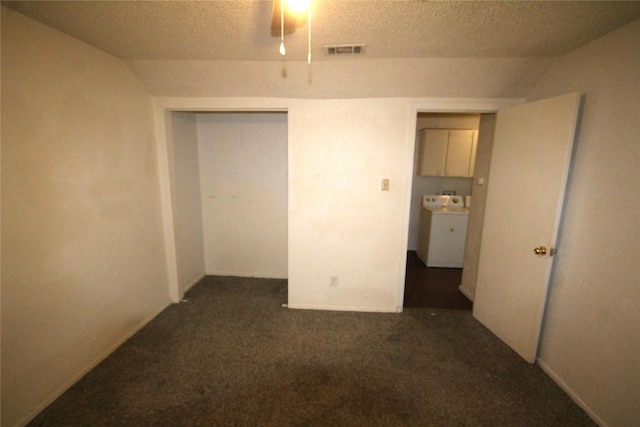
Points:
540	251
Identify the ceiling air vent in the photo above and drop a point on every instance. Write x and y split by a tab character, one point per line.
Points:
344	49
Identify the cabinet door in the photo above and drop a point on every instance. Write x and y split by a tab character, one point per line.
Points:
433	146
459	152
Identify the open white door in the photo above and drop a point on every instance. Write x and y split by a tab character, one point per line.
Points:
529	168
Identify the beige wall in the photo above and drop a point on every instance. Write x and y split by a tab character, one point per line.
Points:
83	262
187	207
340	222
243	176
591	335
343	77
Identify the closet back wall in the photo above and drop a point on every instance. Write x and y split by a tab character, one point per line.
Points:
243	183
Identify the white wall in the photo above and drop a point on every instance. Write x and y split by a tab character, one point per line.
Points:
187	206
340	222
83	260
243	175
591	336
343	77
432	184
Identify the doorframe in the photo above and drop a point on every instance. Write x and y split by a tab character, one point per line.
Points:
162	109
438	105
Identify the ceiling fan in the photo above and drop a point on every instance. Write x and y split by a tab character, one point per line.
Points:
293	18
287	16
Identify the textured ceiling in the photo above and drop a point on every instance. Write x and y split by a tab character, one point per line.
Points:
240	30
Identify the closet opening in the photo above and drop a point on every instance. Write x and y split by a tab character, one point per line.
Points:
228	174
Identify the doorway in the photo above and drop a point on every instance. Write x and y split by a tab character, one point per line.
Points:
438	287
528	136
229	178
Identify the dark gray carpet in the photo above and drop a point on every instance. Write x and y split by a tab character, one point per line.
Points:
232	356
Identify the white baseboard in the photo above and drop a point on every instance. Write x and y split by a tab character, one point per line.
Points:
41	407
466	293
343	308
191	284
244	274
564	386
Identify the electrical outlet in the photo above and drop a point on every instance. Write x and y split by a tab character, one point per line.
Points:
333	280
384	186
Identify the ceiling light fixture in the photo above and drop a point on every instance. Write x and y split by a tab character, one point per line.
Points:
287	16
297	7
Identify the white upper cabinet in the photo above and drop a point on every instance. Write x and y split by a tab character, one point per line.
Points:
447	152
433	151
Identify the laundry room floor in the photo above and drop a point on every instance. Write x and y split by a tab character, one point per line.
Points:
430	287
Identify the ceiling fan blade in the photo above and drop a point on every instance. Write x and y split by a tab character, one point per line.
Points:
290	21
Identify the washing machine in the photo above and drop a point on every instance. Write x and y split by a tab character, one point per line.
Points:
443	231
